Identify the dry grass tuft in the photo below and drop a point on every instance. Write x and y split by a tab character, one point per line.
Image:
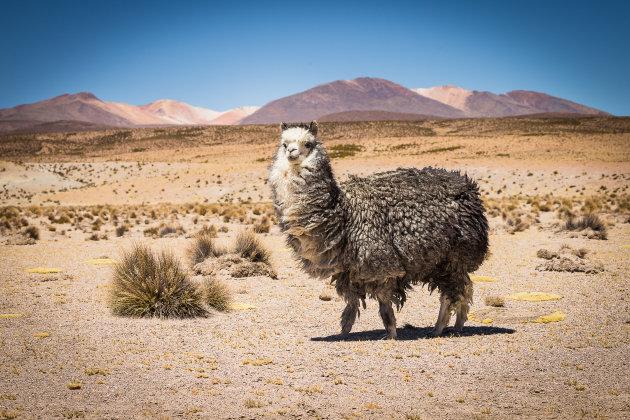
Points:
217	295
120	230
263	226
248	246
496	301
588	221
31	232
171	230
201	248
148	284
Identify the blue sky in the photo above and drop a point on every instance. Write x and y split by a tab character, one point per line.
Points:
221	55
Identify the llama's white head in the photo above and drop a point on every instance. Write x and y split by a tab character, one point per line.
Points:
298	141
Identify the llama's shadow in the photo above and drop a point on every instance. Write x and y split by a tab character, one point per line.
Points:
414	333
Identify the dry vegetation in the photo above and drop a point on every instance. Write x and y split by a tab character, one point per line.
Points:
102	221
146	284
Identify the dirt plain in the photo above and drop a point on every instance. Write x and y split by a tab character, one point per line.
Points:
63	354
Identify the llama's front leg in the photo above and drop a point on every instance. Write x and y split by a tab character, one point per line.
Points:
462	316
348	316
389	320
464	304
443	317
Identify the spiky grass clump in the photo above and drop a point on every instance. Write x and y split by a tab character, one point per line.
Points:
588	221
120	230
149	284
217	295
248	246
203	247
31	232
496	301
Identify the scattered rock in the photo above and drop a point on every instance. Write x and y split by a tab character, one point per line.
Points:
569	260
233	265
21	240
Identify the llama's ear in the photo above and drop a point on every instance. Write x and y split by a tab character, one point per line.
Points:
313	128
283	126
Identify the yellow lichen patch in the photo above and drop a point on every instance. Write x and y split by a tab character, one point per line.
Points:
471	316
6	316
74	385
41	335
484	279
44	270
625	246
258	362
101	261
554	317
533	296
236	306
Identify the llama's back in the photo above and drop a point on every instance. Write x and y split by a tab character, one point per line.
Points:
412	220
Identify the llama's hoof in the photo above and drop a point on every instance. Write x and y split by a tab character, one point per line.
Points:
389	336
436	332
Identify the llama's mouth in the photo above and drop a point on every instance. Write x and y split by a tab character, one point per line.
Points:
292	158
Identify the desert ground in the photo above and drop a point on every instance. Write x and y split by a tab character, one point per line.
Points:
71	198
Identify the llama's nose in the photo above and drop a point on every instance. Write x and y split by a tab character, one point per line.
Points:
292	152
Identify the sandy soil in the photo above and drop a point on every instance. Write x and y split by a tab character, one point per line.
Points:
283	357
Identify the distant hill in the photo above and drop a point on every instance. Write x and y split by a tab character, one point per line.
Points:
83	111
362	94
517	102
375	116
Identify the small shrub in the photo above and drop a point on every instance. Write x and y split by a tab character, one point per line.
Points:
588	221
207	230
250	403
170	229
31	232
496	301
263	226
152	231
217	294
248	246
120	230
148	284
201	248
62	219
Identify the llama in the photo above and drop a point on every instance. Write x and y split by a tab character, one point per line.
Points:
380	235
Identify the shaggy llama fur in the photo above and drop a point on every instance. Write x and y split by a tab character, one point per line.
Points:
380	235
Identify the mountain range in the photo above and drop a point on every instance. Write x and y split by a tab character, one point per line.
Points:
342	100
84	111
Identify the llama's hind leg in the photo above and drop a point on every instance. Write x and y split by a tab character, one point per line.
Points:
443	317
463	305
348	316
386	311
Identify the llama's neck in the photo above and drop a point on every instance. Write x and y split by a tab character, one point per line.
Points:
308	202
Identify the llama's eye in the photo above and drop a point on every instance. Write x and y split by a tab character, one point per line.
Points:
284	145
309	145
